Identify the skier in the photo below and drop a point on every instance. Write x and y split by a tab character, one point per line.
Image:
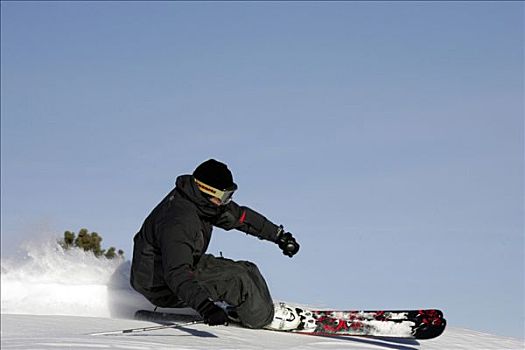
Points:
170	267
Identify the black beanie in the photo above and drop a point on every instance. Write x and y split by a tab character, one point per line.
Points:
215	174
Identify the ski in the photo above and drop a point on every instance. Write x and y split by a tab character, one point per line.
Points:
165	318
414	324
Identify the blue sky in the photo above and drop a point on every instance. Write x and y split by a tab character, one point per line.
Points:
387	137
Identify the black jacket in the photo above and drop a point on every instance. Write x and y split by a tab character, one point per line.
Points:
177	233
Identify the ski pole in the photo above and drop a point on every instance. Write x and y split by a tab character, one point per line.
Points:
146	329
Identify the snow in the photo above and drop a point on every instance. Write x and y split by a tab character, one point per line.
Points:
73	332
51	281
55	299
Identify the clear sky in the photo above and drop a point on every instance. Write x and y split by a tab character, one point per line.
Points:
386	136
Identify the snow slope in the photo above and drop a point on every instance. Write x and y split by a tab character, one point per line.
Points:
54	299
73	332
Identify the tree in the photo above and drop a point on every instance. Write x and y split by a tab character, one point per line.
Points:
89	242
110	254
69	239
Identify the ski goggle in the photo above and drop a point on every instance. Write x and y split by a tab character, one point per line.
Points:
223	195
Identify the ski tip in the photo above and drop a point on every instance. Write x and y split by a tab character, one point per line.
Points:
430	331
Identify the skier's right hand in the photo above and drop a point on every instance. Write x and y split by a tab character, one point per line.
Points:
212	314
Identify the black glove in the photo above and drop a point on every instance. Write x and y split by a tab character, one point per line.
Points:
212	314
287	243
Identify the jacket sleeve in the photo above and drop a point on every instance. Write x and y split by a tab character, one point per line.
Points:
177	262
247	220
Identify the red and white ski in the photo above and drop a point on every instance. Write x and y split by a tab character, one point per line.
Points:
418	324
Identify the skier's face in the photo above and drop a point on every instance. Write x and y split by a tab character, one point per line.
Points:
216	201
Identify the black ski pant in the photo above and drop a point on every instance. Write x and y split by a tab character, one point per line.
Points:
237	283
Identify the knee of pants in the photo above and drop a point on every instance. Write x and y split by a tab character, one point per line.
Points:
249	266
245	280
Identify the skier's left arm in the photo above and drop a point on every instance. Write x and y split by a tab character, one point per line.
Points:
251	222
